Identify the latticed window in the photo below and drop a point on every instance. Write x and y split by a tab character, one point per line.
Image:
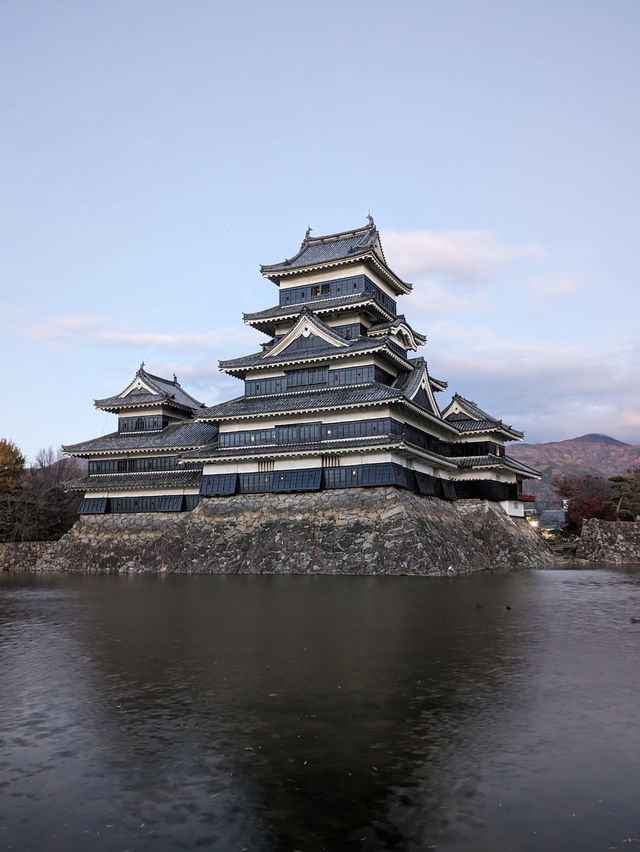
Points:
330	460
265	465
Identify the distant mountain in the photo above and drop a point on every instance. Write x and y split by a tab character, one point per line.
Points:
594	438
598	455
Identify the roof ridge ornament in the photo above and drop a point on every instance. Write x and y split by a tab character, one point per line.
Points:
308	233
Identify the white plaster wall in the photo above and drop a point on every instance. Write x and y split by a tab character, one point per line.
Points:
141	492
514	508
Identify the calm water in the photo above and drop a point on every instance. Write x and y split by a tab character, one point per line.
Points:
283	713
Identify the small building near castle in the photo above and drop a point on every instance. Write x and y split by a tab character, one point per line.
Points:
334	399
139	467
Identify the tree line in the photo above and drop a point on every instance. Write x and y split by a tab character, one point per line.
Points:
613	499
34	505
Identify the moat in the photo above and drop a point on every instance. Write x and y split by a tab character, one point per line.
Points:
316	712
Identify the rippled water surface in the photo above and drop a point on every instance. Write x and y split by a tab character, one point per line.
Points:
282	713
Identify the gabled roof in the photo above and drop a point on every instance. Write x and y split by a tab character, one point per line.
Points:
147	389
417	387
307	326
466	416
337	249
239	366
401	327
436	384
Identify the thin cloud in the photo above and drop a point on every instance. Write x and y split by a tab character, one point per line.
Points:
64	329
549	390
544	290
461	257
89	330
430	299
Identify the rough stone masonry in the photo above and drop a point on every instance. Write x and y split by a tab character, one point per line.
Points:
373	531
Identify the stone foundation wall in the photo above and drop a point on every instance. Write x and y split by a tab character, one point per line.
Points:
373	531
609	541
23	555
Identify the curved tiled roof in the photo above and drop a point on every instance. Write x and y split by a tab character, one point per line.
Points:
193	433
333	248
319	250
157	391
497	461
250	406
351	347
149	480
472	418
353	300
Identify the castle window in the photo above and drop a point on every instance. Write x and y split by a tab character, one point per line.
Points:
330	460
139	423
315	291
326	289
265	465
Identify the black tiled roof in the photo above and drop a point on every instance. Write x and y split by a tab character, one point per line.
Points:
331	248
475	425
412	383
193	433
244	406
164	390
325	398
477	420
400	319
310	447
496	461
148	480
263	359
317	306
473	410
319	250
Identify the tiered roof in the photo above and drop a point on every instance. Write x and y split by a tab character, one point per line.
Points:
346	247
177	436
266	320
403	391
466	416
149	481
147	389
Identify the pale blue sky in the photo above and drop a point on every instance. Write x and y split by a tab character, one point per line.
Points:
153	154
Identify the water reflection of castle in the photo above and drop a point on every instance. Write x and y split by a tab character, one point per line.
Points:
332	400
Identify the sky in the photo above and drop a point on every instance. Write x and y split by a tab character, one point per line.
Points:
153	153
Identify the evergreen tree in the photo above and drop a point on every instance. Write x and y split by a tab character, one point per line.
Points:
626	495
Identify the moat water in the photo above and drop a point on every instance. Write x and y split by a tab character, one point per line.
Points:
282	713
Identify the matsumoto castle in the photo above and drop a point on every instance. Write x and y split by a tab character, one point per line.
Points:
335	398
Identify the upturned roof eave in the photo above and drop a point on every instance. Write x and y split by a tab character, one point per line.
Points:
398	399
254	320
506	432
240	371
275	273
103	405
504	462
333	447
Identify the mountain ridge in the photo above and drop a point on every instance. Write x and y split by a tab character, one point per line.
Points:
587	455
